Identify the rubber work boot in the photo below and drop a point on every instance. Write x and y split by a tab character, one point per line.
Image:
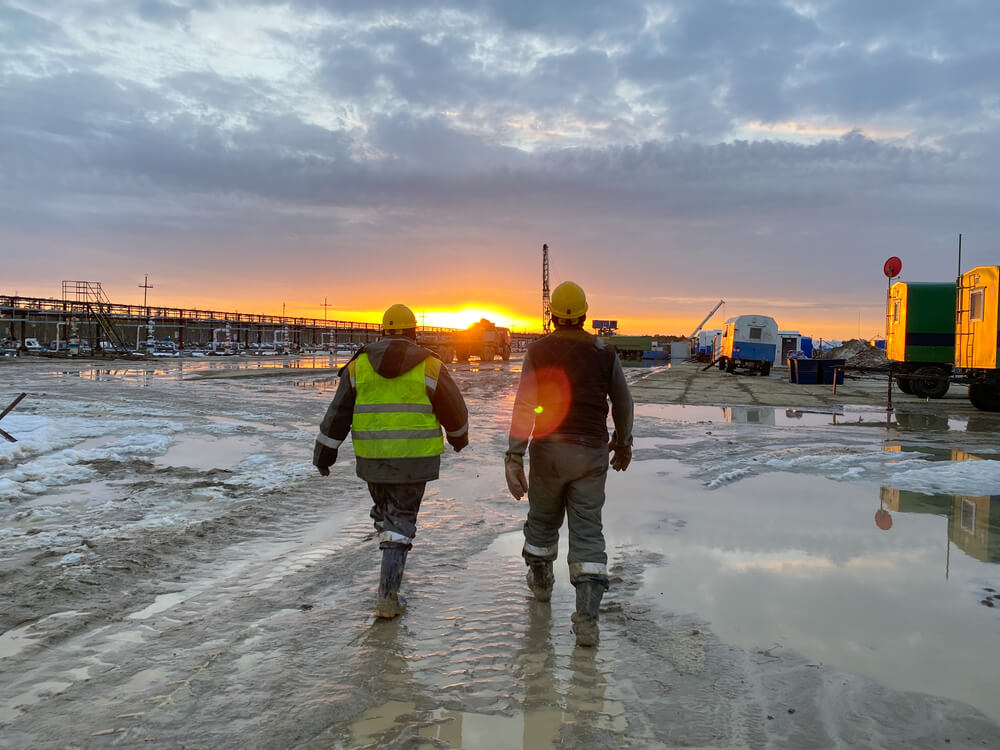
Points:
540	580
389	603
588	603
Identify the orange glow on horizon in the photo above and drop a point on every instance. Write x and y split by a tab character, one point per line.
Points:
436	318
635	317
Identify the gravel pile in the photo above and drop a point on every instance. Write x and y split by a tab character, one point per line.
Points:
857	353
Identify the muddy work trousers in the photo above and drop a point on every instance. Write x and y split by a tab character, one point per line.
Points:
395	511
566	480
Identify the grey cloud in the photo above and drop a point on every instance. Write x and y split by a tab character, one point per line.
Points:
567	17
431	144
20	28
894	81
160	11
417	71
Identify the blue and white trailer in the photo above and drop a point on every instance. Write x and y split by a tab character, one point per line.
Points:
748	342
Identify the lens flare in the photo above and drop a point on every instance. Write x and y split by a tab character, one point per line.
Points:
548	393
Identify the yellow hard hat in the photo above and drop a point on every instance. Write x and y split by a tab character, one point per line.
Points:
568	301
398	318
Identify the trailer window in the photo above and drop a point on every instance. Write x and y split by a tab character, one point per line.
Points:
967	520
977	299
755	333
895	311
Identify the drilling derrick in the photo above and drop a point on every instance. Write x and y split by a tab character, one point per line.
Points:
546	302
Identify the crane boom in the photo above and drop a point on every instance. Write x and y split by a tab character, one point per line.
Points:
710	314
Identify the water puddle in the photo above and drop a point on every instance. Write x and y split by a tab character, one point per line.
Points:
246	423
807	564
16	640
31	697
751	415
402	722
206	452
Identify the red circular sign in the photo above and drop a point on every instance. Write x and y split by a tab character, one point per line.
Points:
892	267
883	520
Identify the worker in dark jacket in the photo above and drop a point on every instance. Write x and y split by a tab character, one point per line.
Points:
562	406
394	397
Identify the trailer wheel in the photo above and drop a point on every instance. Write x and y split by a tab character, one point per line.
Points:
985	396
722	363
930	388
505	356
730	365
487	354
765	369
904	384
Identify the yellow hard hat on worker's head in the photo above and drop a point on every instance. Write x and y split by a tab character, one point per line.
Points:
568	301
398	318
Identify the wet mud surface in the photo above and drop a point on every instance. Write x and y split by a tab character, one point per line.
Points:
175	574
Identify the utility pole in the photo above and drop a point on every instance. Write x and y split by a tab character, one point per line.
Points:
325	305
546	302
145	286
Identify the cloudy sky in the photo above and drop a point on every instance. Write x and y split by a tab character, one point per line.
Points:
250	154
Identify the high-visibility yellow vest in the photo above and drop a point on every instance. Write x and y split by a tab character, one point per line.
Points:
393	417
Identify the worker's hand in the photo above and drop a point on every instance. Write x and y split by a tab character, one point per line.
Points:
323	470
622	456
517	483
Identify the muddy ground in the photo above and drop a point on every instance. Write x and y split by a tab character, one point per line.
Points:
175	574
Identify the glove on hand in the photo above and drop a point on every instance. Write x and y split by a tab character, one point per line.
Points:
323	470
622	456
513	466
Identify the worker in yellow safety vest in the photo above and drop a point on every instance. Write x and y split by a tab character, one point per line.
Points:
567	379
394	397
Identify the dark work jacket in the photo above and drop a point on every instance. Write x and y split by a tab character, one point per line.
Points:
566	380
391	356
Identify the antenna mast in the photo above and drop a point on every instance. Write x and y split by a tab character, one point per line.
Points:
546	302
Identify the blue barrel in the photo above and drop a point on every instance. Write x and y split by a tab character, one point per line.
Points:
808	371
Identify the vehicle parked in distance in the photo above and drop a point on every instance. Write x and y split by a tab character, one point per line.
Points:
748	342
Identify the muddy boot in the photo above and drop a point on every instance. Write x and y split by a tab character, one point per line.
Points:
588	602
389	603
540	580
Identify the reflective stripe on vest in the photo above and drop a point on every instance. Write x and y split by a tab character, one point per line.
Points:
393	417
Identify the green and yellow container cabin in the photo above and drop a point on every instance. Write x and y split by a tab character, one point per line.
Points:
921	322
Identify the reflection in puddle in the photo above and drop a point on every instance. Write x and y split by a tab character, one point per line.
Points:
973	522
797	560
401	722
204	452
768	416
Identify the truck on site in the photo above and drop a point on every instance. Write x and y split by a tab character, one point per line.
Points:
749	343
483	339
976	335
920	336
